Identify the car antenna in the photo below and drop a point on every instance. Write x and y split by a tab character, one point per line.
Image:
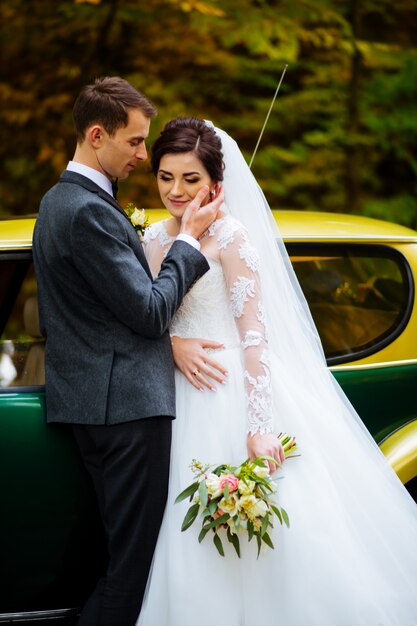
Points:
268	114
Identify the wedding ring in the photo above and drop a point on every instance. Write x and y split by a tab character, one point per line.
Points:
196	372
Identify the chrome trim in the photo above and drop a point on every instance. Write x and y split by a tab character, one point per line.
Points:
33	616
296	238
373	366
287	239
15	246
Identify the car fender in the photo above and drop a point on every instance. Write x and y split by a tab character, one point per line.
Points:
400	448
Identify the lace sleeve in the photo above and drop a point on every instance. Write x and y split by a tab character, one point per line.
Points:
156	243
240	263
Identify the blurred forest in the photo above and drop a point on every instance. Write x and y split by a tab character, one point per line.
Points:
342	136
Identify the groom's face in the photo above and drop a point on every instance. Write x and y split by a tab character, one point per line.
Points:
120	153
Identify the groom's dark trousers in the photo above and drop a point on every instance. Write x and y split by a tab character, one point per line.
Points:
129	465
109	370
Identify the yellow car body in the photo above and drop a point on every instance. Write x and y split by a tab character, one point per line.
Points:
358	275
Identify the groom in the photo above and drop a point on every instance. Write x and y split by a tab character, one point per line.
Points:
109	367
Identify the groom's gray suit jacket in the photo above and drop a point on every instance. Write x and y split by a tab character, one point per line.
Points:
108	354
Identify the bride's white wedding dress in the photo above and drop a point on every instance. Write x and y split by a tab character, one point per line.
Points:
349	557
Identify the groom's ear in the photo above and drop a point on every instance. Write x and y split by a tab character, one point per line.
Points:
95	136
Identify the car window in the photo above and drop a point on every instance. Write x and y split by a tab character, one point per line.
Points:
360	297
21	344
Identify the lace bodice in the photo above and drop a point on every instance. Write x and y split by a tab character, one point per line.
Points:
205	311
225	305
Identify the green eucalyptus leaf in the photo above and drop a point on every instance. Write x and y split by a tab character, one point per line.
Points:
259	542
267	539
285	517
234	540
212	507
259	461
202	490
277	512
218	543
189	492
265	524
262	489
251	531
205	512
190	516
203	533
216	522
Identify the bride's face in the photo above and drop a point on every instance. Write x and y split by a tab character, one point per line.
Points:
179	178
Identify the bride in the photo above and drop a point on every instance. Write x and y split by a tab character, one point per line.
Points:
349	557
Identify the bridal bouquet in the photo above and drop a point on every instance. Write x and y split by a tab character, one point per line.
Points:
239	499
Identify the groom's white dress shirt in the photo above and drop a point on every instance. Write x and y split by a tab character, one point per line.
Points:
102	181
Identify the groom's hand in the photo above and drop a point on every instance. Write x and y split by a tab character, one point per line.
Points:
198	216
266	445
197	366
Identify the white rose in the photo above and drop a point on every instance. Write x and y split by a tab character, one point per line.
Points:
259	509
230	505
213	485
262	472
138	217
252	506
247	502
246	487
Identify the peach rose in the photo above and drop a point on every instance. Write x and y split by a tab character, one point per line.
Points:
230	480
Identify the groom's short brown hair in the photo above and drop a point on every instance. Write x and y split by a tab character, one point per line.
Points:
107	102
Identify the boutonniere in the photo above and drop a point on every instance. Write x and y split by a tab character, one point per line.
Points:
138	219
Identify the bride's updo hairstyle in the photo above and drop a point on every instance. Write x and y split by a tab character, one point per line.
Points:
190	134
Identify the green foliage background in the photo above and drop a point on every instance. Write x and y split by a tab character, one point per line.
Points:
343	132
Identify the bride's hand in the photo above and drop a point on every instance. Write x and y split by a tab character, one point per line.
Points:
193	361
266	445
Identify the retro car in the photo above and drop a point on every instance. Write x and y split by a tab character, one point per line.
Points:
358	275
